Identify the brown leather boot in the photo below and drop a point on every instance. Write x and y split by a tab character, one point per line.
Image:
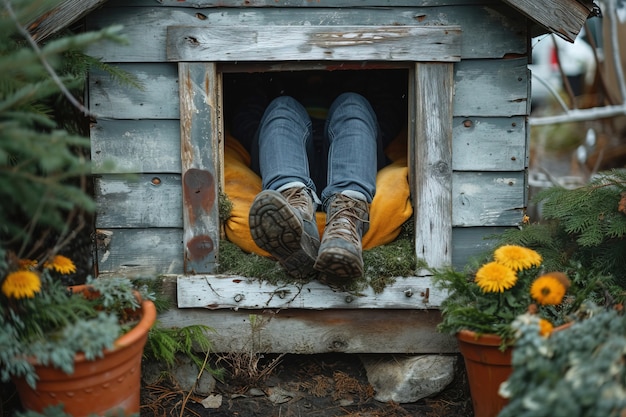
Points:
283	223
340	258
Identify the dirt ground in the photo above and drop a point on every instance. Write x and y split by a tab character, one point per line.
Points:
324	385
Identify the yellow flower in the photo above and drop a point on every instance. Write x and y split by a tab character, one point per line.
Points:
26	264
21	284
517	257
548	290
495	277
61	264
545	327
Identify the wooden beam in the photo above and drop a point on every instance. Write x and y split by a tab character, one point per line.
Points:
314	43
430	153
66	13
237	292
318	331
564	18
199	143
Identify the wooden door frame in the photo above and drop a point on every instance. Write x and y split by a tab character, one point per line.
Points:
428	51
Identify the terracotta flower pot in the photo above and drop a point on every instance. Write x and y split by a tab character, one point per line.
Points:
107	384
487	367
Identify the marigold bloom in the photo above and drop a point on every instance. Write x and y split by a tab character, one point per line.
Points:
21	284
517	257
26	264
61	264
495	277
545	327
547	290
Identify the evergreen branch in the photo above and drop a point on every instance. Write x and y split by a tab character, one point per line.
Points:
70	97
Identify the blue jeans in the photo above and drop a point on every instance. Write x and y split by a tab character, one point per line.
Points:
343	153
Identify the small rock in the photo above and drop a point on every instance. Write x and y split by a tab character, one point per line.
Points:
185	373
406	379
212	401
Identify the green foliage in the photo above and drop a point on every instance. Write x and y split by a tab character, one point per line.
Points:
584	232
578	371
165	344
40	160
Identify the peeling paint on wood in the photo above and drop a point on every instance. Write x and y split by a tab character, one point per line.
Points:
237	292
312	43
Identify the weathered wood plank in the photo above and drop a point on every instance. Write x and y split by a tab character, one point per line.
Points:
489	144
218	292
139	252
61	16
496	88
563	17
146	27
318	331
430	153
142	200
314	43
199	142
135	146
488	198
158	98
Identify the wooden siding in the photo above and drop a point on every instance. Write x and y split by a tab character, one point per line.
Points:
136	148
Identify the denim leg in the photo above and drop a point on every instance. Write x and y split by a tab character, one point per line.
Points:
355	146
285	146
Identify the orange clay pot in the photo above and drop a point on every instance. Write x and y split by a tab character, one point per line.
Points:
108	384
487	367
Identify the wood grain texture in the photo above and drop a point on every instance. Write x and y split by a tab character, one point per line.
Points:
199	143
314	43
430	154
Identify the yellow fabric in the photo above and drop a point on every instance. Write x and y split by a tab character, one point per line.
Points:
390	208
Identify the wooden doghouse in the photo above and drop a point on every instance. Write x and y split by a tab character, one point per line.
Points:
466	62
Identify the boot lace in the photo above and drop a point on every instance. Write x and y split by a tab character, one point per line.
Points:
345	218
299	198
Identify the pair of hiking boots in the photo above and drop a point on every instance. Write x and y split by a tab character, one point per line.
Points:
283	223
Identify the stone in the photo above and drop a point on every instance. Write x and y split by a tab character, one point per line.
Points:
405	378
184	373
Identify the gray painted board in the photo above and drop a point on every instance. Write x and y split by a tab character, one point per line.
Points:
139	252
318	331
217	292
157	98
199	143
145	28
314	43
430	161
496	88
488	198
139	200
489	144
135	146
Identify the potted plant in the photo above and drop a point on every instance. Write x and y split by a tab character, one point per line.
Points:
78	346
579	372
481	305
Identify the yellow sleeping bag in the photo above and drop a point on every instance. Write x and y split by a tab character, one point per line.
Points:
390	208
